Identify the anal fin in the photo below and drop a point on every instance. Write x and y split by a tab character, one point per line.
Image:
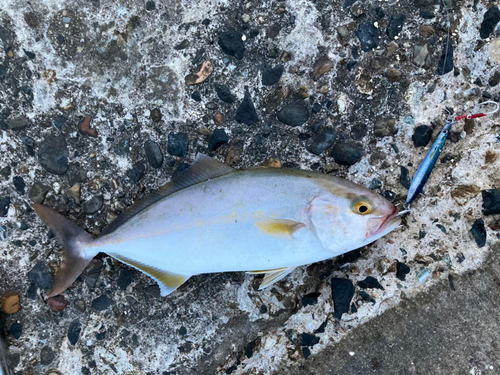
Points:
272	276
167	281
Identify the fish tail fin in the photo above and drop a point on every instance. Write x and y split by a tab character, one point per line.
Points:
75	242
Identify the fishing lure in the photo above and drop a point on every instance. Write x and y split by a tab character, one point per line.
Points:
427	165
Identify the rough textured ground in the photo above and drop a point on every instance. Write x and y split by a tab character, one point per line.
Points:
352	89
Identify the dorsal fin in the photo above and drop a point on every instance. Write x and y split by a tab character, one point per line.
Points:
203	168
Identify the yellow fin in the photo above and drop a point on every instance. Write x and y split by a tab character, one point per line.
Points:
279	227
274	275
167	281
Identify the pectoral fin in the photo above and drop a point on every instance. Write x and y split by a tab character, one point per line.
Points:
272	275
279	227
167	281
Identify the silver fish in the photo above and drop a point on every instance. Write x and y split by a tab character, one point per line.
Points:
213	218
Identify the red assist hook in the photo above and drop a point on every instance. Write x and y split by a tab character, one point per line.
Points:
477	115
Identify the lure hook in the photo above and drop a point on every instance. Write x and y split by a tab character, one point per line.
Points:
497	106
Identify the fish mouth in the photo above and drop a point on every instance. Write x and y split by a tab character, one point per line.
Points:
389	223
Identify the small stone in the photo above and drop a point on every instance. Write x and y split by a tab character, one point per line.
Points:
347	153
182	331
321	66
155	115
342	293
401	271
40	275
385	265
389	195
59	121
310	299
368	36
217	139
421	56
464	193
495	225
19	184
124	279
4	205
16	330
427	15
11	302
405	179
196	96
422	135
320	142
93	205
293	114
232	44
385	128
180	169
219	118
491	201
80	305
150	6
270	76
31	293
375	184
178	144
342	31
5	172
74	192
490	156
308	339
102	303
46	356
365	297
182	45
202	72
272	163
391	48
93	272
445	64
245	17
395	25
273	30
18	123
246	111
370	283
58	303
393	75
74	331
137	172
494	79
153	154
85	129
490	20
53	155
426	31
224	93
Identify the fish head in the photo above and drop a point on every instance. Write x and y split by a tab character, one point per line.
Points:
351	217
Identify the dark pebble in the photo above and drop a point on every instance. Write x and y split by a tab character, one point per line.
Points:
370	283
478	232
100	336
53	155
246	111
5	171
310	299
217	139
74	331
358	131
427	15
308	340
263	309
442	228
347	153
40	275
155	115
445	64
305	350
494	79
102	303
59	121
182	45
273	31
348	3
248	351
153	154
316	107
354	309
293	114
31	292
379	12
270	76
182	331
150	6
19	184
375	184
93	205
224	93
366	297
4	205
395	25
368	36
124	279
93	272
196	96
231	44
342	293
320	142
206	22
16	330
421	135
490	20
349	257
181	168
37	192
136	173
405	179
46	356
401	271
491	201
18	123
178	144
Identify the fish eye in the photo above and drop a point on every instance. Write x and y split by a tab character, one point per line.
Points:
362	207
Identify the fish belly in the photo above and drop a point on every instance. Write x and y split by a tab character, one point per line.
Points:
211	227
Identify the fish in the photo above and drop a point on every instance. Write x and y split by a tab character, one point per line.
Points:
424	170
213	218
